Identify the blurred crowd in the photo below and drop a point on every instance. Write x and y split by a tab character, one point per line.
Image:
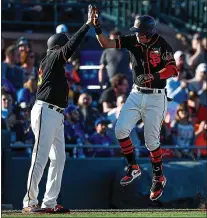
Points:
91	116
40	16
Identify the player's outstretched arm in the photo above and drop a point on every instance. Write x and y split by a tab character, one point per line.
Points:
104	41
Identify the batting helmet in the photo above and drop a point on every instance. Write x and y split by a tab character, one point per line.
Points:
144	25
57	39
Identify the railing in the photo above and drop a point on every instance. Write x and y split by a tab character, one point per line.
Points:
68	146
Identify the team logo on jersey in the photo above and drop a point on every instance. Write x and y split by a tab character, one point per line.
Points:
167	56
155	58
39	77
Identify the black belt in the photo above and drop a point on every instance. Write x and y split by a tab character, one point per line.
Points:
59	110
149	91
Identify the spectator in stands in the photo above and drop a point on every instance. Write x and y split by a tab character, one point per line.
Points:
177	88
24	47
172	107
199	54
199	83
6	109
7	85
183	132
165	140
193	103
22	44
182	66
69	132
109	96
165	137
79	132
113	115
101	138
114	61
9	68
28	65
27	94
25	122
9	117
88	114
201	136
183	42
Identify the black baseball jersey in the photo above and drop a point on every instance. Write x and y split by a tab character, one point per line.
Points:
52	83
147	58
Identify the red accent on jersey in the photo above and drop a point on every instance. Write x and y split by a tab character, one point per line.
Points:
167	72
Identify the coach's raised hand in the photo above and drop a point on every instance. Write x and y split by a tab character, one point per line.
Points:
95	19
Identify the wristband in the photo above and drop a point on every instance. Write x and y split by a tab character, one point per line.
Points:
98	30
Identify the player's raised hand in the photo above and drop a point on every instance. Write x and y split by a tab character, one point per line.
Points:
91	14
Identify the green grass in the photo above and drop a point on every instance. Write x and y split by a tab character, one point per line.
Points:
135	213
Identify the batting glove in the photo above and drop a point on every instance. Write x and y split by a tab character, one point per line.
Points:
145	78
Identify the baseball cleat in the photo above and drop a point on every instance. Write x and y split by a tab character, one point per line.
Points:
133	172
158	184
56	209
32	209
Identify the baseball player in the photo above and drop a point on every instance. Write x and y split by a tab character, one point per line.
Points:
152	63
47	121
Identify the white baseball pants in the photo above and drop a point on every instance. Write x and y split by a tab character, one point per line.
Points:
151	108
47	125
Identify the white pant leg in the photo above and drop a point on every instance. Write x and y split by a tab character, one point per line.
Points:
154	113
57	162
42	119
129	115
